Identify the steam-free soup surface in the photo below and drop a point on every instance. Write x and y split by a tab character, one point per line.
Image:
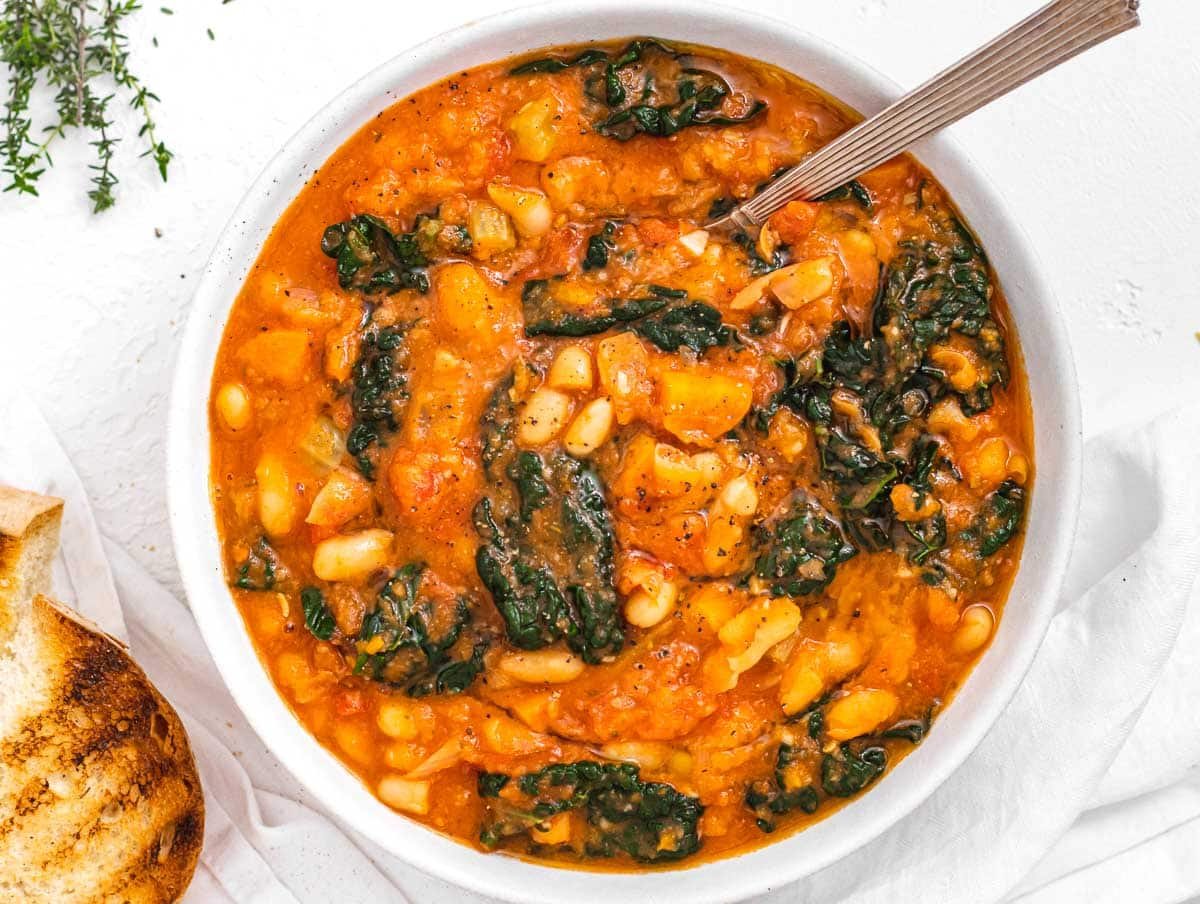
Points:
579	532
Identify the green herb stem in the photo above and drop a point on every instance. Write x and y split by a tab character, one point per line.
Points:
79	50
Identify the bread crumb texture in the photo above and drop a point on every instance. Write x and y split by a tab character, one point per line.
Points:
29	528
100	800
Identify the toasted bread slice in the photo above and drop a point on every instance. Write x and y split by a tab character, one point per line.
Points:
99	795
100	800
29	527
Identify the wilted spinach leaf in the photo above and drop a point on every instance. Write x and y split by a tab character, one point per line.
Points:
646	90
317	617
650	821
371	258
260	570
408	638
802	548
548	543
599	246
999	519
378	392
851	191
696	326
663	317
851	767
786	790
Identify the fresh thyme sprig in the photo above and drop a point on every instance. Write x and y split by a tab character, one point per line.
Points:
79	50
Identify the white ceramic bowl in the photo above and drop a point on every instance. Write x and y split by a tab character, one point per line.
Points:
1051	519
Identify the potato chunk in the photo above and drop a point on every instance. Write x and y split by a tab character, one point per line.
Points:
278	356
532	128
344	496
699	406
859	712
465	305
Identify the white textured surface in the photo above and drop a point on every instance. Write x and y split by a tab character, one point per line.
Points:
1097	160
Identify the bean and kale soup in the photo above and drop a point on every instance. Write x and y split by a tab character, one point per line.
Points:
581	532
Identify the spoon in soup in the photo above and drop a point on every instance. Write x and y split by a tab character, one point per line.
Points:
1054	34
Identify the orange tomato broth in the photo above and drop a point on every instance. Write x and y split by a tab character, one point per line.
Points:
698	699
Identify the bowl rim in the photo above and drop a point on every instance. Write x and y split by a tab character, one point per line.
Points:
975	708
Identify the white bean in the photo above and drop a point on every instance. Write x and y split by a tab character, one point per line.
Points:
543	417
404	794
351	557
646	609
974	628
572	369
233	404
278	506
542	666
590	428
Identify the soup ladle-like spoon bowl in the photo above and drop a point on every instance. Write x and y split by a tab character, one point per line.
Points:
1054	34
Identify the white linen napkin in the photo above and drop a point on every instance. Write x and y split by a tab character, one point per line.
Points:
1087	789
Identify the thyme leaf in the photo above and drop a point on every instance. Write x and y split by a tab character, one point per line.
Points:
78	49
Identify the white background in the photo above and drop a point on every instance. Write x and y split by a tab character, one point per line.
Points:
1098	161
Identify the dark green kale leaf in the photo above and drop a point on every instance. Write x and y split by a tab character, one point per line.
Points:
526	472
371	258
854	468
490	784
845	770
548	543
859	474
452	676
765	322
786	790
261	569
813	717
912	730
699	99
923	460
378	393
651	822
545	316
928	536
800	392
933	291
999	519
599	246
645	89
754	260
802	548
860	457
435	237
696	326
851	768
863	366
851	191
852	363
557	64
663	317
317	616
721	206
414	638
